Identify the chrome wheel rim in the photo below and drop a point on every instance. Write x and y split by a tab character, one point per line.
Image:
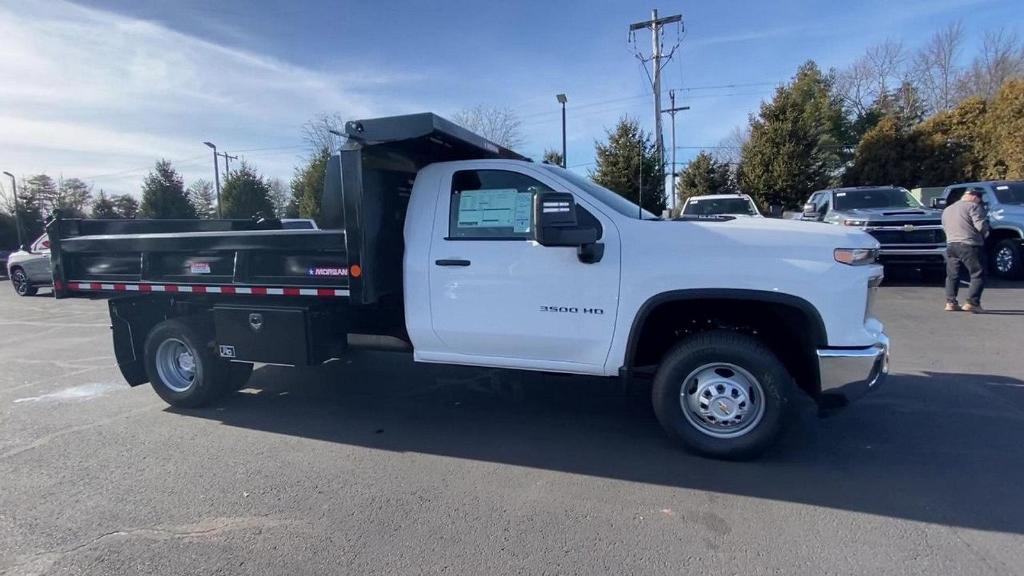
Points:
1004	259
176	365
20	282
722	400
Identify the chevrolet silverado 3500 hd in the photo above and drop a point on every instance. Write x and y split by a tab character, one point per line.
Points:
438	242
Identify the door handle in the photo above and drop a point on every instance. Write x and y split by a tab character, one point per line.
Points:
452	262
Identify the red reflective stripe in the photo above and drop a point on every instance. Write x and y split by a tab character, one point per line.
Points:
325	291
120	287
170	288
199	289
291	291
143	287
259	290
227	289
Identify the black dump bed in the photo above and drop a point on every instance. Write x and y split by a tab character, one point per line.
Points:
356	255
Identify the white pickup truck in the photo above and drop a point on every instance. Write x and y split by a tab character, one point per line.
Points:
437	242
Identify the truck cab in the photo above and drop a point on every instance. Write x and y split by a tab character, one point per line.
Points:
459	251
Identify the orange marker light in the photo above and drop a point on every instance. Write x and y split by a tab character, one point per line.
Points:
355	271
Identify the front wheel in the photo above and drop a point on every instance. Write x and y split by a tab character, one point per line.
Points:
722	394
1006	259
21	284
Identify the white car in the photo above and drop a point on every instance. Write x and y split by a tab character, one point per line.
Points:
725	204
29	269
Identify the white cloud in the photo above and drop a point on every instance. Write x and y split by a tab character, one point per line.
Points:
88	93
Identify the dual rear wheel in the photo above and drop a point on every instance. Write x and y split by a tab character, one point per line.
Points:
183	366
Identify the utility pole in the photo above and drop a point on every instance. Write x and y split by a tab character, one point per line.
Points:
17	210
672	111
659	60
216	175
227	164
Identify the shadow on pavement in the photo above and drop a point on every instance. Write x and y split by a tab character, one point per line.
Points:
935	447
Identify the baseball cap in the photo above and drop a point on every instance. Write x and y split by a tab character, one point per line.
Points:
974	191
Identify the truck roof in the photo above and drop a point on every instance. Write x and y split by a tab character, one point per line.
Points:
718	196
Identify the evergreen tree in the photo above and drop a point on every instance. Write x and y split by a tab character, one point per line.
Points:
30	210
127	206
246	195
163	194
703	175
620	161
203	198
797	141
104	207
307	186
553	157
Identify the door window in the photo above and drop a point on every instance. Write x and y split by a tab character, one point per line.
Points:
955	194
492	205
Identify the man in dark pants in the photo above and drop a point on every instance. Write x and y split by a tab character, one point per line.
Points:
966	225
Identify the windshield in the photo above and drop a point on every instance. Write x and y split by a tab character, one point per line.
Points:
710	207
875	198
1012	193
601	194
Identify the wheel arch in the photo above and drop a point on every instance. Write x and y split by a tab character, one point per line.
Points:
666	317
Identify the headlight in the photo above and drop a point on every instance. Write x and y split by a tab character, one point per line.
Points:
854	222
855	256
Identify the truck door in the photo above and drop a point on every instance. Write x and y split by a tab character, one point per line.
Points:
499	298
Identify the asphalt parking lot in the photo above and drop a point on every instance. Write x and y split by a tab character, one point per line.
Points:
377	466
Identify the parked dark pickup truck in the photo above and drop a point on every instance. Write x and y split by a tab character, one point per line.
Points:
909	233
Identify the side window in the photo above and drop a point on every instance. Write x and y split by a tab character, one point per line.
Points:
492	204
955	194
822	203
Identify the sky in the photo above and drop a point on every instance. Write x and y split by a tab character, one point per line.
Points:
101	89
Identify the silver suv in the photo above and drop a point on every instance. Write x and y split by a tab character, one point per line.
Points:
1005	201
29	267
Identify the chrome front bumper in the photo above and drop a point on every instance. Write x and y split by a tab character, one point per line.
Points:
851	373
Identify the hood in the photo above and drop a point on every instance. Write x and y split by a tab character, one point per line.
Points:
771	235
1014	212
882	214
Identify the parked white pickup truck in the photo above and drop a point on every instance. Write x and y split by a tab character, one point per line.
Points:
443	244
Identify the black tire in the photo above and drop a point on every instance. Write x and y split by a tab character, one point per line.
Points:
210	375
770	395
22	287
1005	259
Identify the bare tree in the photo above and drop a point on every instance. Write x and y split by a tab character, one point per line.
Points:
871	78
1001	58
886	65
730	148
280	196
855	86
316	132
935	69
499	125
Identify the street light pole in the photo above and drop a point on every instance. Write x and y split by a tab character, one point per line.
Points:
17	210
216	175
562	99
